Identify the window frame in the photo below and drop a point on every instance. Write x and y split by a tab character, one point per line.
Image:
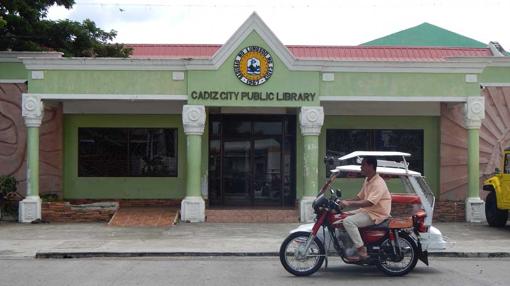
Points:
372	134
128	174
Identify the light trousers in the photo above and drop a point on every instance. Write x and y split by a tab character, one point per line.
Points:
353	222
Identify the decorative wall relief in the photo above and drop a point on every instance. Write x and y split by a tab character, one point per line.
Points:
13	139
494	138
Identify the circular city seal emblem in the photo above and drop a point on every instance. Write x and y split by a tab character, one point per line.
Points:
253	65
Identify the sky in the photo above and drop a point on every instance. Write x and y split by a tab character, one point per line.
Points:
294	22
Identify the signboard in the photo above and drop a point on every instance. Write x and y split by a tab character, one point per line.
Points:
253	96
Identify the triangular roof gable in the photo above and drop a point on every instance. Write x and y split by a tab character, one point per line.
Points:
253	23
426	35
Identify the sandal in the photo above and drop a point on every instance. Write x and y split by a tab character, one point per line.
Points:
362	255
353	259
362	251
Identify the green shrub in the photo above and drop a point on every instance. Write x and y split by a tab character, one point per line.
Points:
7	188
7	184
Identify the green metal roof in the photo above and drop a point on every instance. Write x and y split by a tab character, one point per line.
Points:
426	35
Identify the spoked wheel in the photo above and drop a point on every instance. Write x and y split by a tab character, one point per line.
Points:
400	265
293	256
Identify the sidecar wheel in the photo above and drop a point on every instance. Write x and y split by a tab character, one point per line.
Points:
393	266
307	264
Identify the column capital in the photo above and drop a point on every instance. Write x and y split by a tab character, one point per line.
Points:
311	119
32	109
474	112
193	119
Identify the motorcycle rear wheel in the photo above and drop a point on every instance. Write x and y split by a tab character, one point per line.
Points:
301	265
400	266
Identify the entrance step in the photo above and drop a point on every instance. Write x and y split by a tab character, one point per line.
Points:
145	217
252	215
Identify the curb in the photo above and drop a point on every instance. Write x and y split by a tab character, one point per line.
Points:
65	255
52	255
470	254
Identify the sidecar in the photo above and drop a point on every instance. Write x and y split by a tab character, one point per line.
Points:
415	198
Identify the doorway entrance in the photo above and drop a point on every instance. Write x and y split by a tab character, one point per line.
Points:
252	160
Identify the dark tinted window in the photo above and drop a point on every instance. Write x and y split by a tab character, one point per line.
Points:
340	142
127	152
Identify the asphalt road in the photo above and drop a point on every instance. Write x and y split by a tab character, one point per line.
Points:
241	271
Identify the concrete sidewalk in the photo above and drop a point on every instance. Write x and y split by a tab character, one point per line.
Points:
203	239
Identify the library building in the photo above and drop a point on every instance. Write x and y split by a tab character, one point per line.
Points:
238	132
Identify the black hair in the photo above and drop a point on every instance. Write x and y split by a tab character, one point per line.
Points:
371	161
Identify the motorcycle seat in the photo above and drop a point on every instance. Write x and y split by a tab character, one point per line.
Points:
401	222
383	225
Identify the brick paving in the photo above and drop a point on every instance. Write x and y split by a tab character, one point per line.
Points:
144	217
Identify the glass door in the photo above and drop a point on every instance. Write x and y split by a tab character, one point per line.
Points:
236	171
251	160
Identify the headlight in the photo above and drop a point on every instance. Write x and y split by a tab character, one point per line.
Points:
319	202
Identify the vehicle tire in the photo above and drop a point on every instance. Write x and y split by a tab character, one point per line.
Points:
398	267
301	266
495	217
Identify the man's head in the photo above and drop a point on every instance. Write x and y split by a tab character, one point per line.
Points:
369	166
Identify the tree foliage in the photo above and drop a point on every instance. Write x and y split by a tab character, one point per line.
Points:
24	27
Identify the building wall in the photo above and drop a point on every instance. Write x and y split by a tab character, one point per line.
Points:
282	80
494	138
496	75
399	84
12	70
13	134
108	82
495	130
121	187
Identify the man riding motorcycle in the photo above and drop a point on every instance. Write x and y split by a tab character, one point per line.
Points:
374	206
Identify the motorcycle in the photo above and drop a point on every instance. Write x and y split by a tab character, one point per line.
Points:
394	246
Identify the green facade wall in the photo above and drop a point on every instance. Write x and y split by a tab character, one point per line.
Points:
281	81
127	188
108	82
399	84
495	75
12	71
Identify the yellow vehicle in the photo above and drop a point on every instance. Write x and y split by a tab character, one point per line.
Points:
497	202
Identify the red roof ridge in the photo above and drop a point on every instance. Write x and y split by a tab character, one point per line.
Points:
324	52
318	46
174	45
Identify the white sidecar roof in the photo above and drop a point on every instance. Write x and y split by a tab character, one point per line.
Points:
372	154
380	170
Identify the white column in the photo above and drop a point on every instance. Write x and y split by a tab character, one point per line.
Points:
311	120
193	205
474	113
32	112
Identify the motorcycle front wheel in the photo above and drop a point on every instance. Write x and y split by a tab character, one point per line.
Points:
393	265
293	256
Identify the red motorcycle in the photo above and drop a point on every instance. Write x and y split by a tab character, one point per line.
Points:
393	246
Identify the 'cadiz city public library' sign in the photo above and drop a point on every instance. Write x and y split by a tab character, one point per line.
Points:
253	96
253	66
